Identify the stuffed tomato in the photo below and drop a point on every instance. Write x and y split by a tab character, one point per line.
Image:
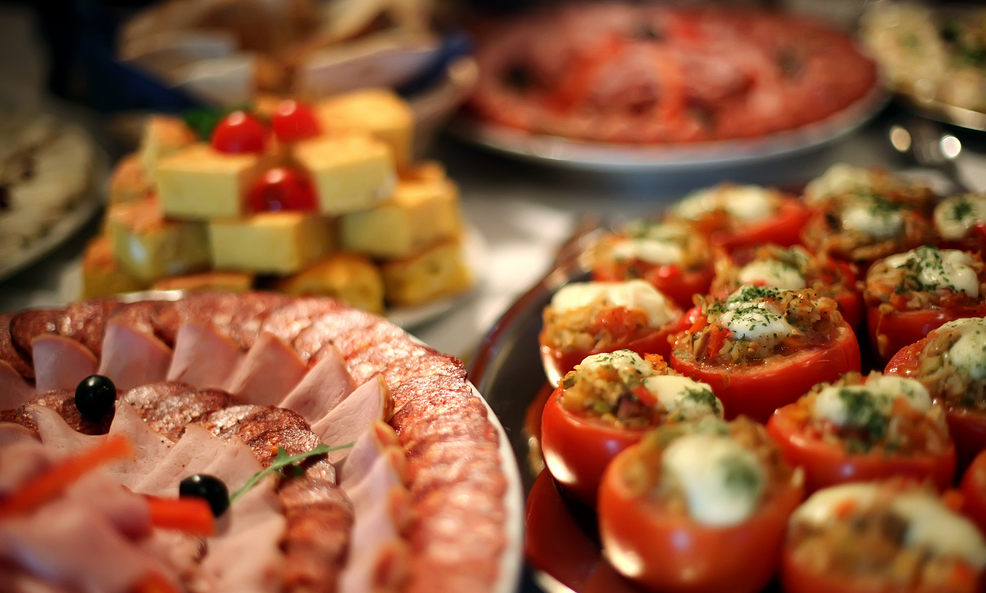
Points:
597	317
735	216
881	537
951	363
791	268
865	428
973	489
860	216
763	348
909	294
961	222
605	405
672	257
698	507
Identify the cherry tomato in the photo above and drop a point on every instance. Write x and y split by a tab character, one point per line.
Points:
294	120
677	284
756	390
967	427
893	330
784	228
239	133
665	550
826	463
973	490
282	188
578	448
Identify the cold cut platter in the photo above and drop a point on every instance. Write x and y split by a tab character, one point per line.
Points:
251	442
730	397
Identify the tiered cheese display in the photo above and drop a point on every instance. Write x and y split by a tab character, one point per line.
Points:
306	199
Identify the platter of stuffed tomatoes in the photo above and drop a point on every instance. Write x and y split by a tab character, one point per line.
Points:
757	391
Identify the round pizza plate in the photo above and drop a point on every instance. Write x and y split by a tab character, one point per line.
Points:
669	158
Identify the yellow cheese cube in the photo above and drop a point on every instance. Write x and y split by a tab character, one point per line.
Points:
270	243
150	247
129	182
420	214
350	172
350	277
163	136
379	112
101	275
199	183
435	272
220	281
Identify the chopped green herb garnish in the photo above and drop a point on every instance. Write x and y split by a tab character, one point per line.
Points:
284	465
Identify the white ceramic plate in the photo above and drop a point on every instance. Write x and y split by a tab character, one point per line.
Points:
604	157
71	221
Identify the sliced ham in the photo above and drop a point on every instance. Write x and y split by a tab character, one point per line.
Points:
150	446
169	407
85	321
269	372
203	357
370	401
132	357
369	446
57	434
388	471
325	385
27	325
14	390
12	434
61	363
376	538
191	455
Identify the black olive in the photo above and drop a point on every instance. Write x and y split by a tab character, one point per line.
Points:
94	397
208	487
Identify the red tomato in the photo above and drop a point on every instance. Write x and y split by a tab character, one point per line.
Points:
797	578
967	427
782	229
282	188
973	490
828	464
578	448
238	133
294	120
889	332
667	551
676	284
757	390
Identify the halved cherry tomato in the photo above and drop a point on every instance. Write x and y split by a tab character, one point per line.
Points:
756	390
784	228
294	120
826	463
973	490
665	550
967	427
283	188
893	330
677	284
578	448
238	133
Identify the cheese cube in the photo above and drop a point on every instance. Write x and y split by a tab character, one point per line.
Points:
199	183
101	274
435	272
379	112
129	182
350	277
220	281
420	214
270	243
350	172
163	136
150	247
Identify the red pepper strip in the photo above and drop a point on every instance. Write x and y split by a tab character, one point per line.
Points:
644	395
188	515
719	334
56	479
154	582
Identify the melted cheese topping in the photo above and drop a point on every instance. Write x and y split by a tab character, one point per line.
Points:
658	253
945	268
954	217
626	363
931	525
969	351
772	273
722	482
633	294
839	179
750	317
685	396
852	405
746	203
876	221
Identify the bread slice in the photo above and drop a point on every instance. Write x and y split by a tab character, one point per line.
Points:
435	272
102	276
217	281
347	276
